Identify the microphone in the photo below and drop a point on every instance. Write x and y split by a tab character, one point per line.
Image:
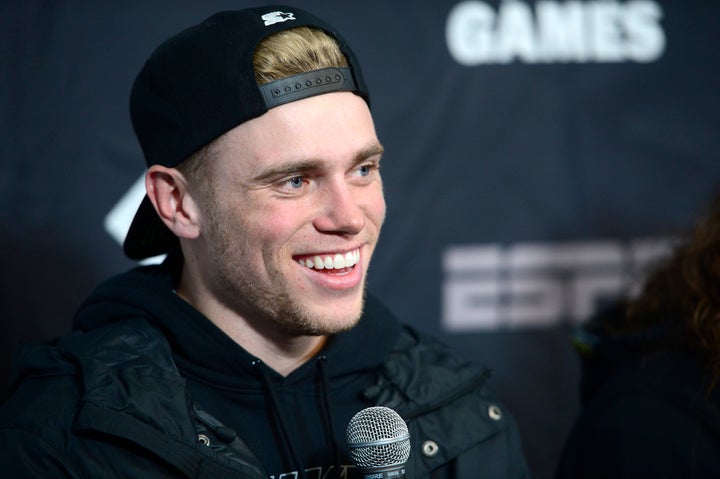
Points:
379	443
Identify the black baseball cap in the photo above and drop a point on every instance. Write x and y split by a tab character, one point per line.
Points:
200	84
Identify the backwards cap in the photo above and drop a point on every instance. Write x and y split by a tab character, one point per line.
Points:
200	84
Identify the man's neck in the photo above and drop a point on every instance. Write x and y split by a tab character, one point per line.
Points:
279	350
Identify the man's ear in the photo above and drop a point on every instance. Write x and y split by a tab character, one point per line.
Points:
168	191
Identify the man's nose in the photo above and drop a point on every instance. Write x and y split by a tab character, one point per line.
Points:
340	210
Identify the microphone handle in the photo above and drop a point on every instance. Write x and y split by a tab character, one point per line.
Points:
391	472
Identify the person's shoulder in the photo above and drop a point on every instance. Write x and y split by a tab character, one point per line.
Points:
666	390
40	408
418	348
54	381
50	377
429	370
449	403
673	377
653	415
638	434
134	335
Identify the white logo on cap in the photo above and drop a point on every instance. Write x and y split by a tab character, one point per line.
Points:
277	17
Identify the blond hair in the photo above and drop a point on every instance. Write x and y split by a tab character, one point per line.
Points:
295	51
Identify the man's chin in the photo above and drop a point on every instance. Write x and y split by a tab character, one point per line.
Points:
327	326
330	320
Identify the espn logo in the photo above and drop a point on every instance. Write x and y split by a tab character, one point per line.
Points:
488	287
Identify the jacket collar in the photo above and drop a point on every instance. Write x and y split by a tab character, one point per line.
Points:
119	363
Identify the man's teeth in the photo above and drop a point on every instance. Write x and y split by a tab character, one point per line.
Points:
336	261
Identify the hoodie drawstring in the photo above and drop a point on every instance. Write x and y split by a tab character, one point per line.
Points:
290	454
329	434
287	448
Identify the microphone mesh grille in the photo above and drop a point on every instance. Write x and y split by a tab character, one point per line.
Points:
378	437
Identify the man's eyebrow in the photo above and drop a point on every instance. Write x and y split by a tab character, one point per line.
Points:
288	169
303	166
373	150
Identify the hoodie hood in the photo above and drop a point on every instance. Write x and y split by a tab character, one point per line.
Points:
148	292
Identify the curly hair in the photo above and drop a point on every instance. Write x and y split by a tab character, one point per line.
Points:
685	291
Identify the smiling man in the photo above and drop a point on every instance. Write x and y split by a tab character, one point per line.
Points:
307	198
246	352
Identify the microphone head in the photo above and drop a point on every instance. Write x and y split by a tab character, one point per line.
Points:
378	439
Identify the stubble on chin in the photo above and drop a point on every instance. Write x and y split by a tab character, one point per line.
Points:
283	313
295	320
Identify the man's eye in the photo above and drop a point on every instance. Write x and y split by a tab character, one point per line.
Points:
295	182
367	169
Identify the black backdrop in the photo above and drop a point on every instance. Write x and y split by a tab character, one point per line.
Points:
539	156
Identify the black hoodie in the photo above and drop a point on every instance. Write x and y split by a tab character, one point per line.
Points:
291	423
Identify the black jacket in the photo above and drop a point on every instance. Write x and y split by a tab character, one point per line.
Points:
110	400
647	409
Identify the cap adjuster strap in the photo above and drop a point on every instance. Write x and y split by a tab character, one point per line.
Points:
304	85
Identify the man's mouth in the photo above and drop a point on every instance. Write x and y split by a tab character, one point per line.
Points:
337	261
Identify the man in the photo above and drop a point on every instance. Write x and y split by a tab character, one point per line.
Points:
246	353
